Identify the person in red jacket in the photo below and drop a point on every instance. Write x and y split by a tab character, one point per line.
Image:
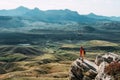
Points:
82	53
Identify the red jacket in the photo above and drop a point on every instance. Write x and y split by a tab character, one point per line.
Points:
82	52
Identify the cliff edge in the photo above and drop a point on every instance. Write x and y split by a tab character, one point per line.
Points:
105	67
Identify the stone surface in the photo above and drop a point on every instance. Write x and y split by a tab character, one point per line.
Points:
87	70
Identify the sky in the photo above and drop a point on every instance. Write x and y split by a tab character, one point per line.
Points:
99	7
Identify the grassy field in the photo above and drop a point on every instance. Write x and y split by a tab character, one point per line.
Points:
53	63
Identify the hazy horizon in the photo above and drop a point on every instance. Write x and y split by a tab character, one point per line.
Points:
99	7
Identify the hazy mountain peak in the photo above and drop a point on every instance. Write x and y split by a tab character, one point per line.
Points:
92	14
21	8
36	9
14	12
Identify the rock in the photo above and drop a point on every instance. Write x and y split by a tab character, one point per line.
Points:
102	62
2	71
85	70
108	57
98	60
101	72
88	70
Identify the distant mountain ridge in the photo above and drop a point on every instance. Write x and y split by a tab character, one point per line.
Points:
22	17
54	15
14	12
46	16
113	18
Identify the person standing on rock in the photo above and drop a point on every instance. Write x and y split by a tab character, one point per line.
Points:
82	53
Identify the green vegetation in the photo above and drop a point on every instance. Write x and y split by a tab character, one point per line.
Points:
50	61
49	41
12	58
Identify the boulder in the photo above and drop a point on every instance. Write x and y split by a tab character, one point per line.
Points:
83	70
2	71
87	70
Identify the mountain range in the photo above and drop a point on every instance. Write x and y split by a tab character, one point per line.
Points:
54	15
23	18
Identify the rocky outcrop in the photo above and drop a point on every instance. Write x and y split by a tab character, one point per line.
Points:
2	71
87	70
